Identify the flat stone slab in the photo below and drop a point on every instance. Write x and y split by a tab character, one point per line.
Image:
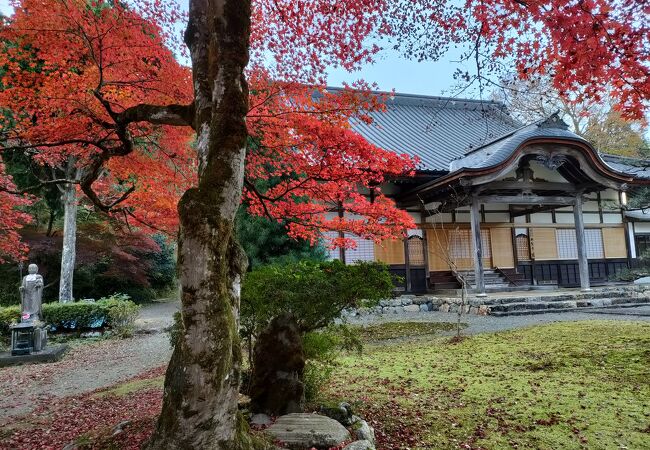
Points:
303	431
47	355
360	445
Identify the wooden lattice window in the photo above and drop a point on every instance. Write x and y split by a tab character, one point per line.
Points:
462	244
461	247
567	245
416	250
365	250
523	247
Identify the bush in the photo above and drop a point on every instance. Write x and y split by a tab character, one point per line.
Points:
321	350
315	293
116	312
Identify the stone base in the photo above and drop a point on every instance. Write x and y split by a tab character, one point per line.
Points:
47	355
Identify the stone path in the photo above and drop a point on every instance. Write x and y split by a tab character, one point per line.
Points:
89	365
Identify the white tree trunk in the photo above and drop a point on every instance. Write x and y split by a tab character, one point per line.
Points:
69	250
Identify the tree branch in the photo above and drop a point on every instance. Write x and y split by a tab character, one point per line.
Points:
178	115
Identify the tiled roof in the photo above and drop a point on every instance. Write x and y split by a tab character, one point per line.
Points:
497	151
639	168
435	129
448	134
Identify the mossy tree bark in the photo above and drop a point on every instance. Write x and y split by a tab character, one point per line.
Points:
277	385
202	380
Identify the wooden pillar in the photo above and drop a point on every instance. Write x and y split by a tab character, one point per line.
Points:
583	263
478	247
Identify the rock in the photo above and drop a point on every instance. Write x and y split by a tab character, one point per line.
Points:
341	413
644	280
303	431
411	308
444	307
406	301
384	302
359	445
483	310
261	420
363	431
117	429
396	303
424	307
90	334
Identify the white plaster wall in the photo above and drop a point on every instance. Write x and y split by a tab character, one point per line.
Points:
609	194
520	219
591	217
491	217
642	227
564	218
439	218
417	217
539	171
462	217
544	217
612	218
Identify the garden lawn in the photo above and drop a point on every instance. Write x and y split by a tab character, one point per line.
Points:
560	386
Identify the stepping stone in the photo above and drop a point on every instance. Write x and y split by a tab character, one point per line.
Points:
360	445
303	431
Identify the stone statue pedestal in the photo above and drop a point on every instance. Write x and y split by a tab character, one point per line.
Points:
27	338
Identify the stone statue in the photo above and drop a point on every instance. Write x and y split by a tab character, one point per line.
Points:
31	295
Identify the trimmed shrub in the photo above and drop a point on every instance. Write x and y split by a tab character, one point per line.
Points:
116	312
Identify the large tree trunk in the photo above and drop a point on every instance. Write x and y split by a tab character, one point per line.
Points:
277	385
69	250
202	380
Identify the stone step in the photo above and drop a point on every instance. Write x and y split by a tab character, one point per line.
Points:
523	312
537	307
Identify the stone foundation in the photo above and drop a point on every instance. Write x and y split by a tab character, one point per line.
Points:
496	303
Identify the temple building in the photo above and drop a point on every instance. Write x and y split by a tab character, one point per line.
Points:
501	205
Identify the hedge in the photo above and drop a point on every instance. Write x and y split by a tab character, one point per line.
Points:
116	312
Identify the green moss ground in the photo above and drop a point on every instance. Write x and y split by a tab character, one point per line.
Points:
399	330
560	386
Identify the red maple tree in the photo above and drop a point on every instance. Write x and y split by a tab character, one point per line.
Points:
587	43
86	73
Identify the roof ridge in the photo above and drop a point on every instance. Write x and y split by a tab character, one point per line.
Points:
427	97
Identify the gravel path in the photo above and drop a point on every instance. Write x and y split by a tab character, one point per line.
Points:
92	365
86	367
487	324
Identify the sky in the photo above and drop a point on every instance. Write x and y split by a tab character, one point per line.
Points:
390	71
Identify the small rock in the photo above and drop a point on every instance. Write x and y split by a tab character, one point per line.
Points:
261	420
424	307
341	413
444	307
411	308
359	445
90	334
300	431
363	431
117	429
